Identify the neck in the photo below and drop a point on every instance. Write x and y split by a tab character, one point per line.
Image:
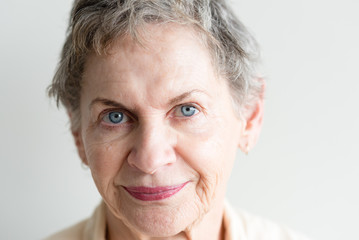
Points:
210	227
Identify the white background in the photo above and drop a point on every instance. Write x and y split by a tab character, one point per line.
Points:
304	172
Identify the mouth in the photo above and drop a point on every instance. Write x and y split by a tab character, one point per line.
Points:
154	193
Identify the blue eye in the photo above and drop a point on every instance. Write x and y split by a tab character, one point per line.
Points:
188	110
115	117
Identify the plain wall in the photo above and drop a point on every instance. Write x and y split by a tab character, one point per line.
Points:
304	172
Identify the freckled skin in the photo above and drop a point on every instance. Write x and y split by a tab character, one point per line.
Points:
157	146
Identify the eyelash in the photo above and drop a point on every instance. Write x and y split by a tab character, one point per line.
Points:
109	126
183	117
132	119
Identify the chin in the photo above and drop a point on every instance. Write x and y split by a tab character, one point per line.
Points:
161	221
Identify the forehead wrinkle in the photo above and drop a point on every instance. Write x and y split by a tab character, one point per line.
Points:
124	60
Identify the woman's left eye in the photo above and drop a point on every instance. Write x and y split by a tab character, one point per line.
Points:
115	117
187	111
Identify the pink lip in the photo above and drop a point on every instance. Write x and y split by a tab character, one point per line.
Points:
154	193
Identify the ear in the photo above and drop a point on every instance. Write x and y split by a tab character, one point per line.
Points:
76	133
253	120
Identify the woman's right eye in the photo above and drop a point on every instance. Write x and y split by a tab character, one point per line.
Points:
115	117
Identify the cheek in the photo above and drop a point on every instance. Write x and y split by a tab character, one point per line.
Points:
105	161
211	154
211	148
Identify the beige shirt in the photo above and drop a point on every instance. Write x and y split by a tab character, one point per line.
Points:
239	225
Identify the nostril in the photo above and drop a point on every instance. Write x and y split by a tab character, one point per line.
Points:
150	159
152	148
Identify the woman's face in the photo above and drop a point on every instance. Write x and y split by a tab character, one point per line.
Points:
158	131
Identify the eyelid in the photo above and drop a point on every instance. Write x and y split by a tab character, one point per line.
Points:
107	111
178	109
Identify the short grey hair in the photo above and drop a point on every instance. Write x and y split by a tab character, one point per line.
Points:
96	24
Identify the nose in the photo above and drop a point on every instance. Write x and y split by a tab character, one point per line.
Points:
153	148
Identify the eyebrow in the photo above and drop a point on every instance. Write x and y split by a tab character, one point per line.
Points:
106	102
173	101
184	95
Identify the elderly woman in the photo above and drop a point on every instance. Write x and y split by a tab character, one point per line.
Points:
161	94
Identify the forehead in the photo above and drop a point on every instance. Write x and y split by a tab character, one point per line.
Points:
162	42
157	40
170	56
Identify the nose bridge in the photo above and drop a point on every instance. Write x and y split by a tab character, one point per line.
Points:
153	147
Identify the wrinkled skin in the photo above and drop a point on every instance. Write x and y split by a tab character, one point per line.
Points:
156	144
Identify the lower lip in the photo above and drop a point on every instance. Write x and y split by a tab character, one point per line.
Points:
154	194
